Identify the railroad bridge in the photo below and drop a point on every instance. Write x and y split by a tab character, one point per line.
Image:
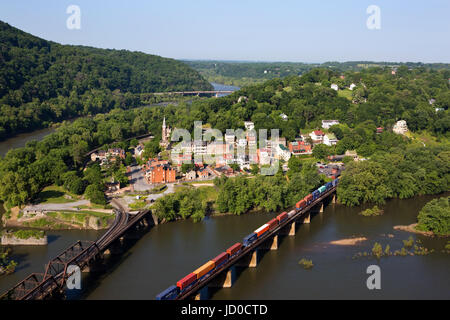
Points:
84	254
87	254
249	256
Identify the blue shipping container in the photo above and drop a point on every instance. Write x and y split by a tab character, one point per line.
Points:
316	194
329	185
169	294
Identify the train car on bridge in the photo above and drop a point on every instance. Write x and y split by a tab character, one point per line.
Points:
282	216
300	205
234	249
248	240
169	294
308	199
335	182
273	224
262	230
204	270
220	259
187	281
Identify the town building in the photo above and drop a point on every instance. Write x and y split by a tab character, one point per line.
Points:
191	175
110	154
161	173
300	147
317	136
400	127
334	87
165	135
138	150
352	86
282	152
330	139
249	125
326	124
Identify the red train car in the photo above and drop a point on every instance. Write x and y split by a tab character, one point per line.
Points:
301	204
220	259
282	216
186	281
308	198
261	230
234	249
272	223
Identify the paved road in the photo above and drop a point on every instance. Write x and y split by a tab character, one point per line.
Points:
57	206
170	189
138	180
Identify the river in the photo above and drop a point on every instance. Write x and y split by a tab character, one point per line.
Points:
171	251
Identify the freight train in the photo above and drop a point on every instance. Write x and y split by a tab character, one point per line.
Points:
205	270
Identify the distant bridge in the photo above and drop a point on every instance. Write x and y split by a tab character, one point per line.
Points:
194	93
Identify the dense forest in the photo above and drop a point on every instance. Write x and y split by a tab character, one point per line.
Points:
246	73
43	82
379	99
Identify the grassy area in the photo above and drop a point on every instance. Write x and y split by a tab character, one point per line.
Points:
65	219
139	204
346	93
26	234
55	194
424	137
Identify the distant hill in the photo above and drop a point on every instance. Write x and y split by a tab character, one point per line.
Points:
43	81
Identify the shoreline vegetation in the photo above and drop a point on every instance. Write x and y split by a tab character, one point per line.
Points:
372	212
410	248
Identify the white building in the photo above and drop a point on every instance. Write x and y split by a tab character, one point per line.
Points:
242	143
330	139
138	150
200	147
229	138
284	117
400	127
326	124
249	125
317	136
335	87
352	86
282	152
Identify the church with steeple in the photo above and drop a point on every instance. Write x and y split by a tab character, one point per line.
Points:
165	136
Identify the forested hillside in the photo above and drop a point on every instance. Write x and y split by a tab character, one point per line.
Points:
246	73
43	82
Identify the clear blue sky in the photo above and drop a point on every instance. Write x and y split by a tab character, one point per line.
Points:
264	30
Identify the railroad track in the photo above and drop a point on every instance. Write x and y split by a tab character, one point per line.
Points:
39	286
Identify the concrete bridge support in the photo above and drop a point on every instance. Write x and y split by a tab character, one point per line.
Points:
321	207
203	294
270	244
289	230
333	198
306	218
225	280
250	260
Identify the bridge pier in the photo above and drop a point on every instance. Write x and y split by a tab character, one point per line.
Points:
289	230
321	207
225	280
203	294
333	199
270	244
250	260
